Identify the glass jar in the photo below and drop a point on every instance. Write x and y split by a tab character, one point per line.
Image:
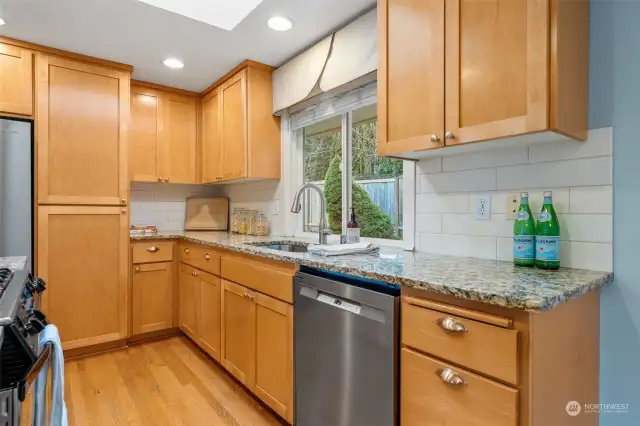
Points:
235	220
243	221
251	224
262	226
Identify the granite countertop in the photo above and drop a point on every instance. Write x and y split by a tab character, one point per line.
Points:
16	263
495	282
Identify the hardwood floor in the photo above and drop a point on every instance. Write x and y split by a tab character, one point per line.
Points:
165	382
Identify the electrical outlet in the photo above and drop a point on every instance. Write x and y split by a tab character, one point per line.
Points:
513	202
483	207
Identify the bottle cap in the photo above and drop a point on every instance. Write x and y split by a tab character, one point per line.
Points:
524	195
547	193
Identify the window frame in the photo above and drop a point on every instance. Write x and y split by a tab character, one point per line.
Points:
344	106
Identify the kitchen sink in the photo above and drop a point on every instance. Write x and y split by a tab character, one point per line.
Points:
282	246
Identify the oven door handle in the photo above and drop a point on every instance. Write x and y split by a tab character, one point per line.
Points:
37	366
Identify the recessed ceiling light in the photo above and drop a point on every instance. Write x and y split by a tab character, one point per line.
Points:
280	23
173	63
225	14
1	21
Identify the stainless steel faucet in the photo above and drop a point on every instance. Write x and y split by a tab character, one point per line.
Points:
323	230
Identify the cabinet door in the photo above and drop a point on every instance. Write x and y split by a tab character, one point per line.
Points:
83	255
238	332
178	139
234	127
274	354
83	113
210	317
410	75
189	293
152	297
146	121
211	137
16	80
497	79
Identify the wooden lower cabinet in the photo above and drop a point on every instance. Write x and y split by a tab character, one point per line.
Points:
152	295
83	255
189	295
274	354
238	332
428	401
210	319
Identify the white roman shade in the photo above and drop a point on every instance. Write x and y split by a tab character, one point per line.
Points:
345	60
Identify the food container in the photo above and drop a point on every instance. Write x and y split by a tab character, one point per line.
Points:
235	220
243	221
262	226
251	224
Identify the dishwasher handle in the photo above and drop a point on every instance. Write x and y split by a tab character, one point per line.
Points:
338	302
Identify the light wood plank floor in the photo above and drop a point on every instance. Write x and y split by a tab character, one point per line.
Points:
166	382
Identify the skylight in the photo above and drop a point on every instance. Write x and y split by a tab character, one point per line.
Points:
225	14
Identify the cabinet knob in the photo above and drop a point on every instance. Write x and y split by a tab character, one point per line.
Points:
186	250
195	274
451	324
123	211
124	201
137	268
450	377
435	138
449	135
218	177
166	179
159	179
153	249
207	257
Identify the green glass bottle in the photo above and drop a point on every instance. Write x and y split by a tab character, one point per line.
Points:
524	234
548	236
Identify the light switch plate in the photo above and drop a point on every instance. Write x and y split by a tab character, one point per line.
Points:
513	202
274	207
483	207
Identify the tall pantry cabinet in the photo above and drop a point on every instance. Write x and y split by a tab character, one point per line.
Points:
82	115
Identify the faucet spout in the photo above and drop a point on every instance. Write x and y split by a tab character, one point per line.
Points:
323	230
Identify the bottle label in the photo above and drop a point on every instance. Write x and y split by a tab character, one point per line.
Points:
544	217
547	248
353	235
523	246
522	215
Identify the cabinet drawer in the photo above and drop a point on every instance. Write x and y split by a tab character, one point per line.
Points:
272	278
427	399
153	251
201	257
482	347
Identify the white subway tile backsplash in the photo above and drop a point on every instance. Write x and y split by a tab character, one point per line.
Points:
586	227
458	245
505	249
594	256
591	199
427	222
442	203
598	144
466	224
583	172
484	159
429	165
464	181
560	199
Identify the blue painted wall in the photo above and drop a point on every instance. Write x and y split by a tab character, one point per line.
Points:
615	100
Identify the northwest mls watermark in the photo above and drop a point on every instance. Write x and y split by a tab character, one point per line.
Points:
574	408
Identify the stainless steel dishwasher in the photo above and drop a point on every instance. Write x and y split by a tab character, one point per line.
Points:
346	351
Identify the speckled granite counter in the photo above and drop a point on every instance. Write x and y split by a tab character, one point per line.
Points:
494	282
16	263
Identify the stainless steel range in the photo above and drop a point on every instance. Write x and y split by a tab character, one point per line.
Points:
20	324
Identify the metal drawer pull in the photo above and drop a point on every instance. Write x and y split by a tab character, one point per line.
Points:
195	274
153	249
207	257
450	377
451	324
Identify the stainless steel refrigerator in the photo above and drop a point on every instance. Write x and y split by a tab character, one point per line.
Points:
16	188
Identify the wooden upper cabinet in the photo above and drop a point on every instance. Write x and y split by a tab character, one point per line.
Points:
146	122
410	75
177	153
240	134
274	354
83	113
83	256
212	137
496	69
16	80
234	127
458	71
152	293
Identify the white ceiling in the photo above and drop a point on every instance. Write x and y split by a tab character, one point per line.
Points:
142	35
